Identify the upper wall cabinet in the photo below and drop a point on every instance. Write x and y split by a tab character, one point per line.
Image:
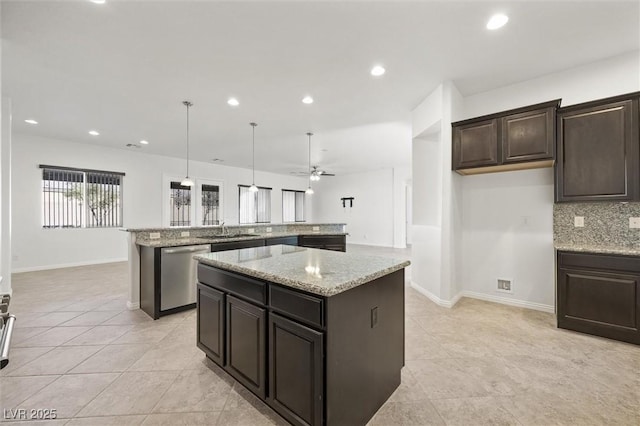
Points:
522	138
598	156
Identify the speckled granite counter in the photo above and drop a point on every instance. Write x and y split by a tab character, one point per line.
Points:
321	272
600	248
187	241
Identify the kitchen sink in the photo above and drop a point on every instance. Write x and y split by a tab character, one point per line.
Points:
216	237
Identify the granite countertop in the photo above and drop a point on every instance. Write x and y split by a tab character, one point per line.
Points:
188	241
599	248
321	272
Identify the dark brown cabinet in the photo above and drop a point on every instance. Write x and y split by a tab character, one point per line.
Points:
302	353
210	324
598	155
245	329
326	242
599	294
517	139
529	135
295	371
476	144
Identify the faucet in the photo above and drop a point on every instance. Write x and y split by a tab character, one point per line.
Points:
224	230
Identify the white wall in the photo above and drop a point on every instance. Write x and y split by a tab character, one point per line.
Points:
37	248
370	220
508	217
5	197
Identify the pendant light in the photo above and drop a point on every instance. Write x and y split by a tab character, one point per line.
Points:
253	187
309	189
187	180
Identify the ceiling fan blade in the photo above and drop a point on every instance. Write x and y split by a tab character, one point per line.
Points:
328	174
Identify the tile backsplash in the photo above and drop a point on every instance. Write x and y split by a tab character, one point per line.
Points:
605	223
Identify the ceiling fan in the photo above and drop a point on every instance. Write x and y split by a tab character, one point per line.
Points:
316	173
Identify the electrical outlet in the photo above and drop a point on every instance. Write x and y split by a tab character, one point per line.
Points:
251	230
154	235
634	222
578	221
184	234
316	228
268	230
505	285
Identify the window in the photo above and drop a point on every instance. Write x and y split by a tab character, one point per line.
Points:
180	201
255	207
210	205
292	206
80	198
197	205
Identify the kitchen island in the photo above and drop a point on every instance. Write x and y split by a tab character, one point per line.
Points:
317	335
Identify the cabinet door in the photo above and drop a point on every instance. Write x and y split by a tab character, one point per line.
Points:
475	144
246	344
603	303
295	371
598	153
210	326
528	135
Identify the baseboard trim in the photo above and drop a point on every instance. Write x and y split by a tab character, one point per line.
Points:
511	302
435	299
66	265
133	306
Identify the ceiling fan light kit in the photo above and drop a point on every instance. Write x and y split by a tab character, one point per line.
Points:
187	181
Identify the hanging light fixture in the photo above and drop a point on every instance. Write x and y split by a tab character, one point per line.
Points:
253	187
309	189
187	181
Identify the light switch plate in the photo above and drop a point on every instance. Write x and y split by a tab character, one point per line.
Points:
634	222
251	230
316	228
184	234
578	221
154	235
269	229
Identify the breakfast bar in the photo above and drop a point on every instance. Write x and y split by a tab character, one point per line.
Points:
318	335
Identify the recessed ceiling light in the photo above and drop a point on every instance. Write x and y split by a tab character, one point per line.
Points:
98	1
497	21
307	100
143	142
30	121
377	71
94	133
233	102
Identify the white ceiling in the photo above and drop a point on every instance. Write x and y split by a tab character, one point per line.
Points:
124	68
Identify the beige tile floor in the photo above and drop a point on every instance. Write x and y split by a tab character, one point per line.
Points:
77	349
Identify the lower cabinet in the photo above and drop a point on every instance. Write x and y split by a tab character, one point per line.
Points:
315	360
599	294
290	241
246	329
295	371
210	322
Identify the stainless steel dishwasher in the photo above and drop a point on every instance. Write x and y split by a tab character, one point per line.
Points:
178	275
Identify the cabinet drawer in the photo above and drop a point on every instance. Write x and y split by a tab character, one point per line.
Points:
238	285
300	306
292	241
234	245
598	261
